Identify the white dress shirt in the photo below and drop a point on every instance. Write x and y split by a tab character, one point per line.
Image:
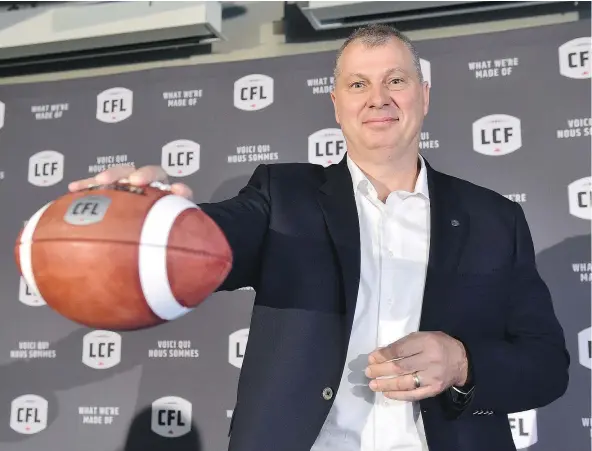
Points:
394	252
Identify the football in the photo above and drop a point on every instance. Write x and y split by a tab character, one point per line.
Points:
122	257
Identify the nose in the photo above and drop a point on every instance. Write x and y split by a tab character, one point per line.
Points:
379	96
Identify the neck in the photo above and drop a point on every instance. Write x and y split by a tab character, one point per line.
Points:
391	174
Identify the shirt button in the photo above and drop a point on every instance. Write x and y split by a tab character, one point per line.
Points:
327	393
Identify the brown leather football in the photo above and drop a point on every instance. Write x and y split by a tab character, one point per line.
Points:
121	257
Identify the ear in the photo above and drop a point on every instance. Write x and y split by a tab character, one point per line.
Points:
333	99
426	97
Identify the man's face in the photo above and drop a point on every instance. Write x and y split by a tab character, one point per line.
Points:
379	101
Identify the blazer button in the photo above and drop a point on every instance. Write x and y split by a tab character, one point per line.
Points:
327	393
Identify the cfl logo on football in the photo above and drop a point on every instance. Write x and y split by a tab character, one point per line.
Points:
497	134
46	168
326	147
574	58
28	296
115	105
253	92
580	198
171	416
237	346
28	414
2	113
101	349
524	428
426	71
585	347
180	158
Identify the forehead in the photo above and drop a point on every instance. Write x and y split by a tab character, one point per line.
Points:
360	57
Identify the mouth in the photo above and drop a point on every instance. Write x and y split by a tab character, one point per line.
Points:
381	120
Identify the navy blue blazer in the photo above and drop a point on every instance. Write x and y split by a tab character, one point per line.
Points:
295	237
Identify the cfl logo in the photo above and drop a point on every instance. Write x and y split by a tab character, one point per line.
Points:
171	416
580	198
524	428
253	92
237	346
101	349
114	105
28	414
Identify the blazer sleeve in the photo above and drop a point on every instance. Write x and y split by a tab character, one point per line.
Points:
244	219
529	369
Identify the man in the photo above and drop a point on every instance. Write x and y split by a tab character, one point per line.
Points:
397	308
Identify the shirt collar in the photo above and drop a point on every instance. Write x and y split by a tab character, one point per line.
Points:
361	182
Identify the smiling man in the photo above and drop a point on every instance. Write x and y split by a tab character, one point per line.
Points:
398	308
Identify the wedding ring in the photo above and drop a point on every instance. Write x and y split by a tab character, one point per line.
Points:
416	380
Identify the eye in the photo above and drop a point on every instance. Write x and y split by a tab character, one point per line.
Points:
356	84
396	81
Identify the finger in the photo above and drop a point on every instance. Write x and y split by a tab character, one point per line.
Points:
147	175
113	174
388	368
397	383
77	185
405	347
180	189
411	395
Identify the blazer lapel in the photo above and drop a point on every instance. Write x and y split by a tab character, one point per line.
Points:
449	230
336	198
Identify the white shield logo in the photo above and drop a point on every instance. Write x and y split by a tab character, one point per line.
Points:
580	198
237	345
585	347
326	147
253	92
180	158
171	416
574	58
101	349
115	105
28	414
497	134
46	168
524	428
28	296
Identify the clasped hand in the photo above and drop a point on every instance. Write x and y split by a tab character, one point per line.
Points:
438	361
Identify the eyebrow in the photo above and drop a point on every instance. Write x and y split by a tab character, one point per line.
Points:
387	72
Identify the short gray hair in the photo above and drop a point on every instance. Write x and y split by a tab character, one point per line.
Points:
375	35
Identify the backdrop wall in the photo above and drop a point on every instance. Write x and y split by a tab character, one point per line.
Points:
509	111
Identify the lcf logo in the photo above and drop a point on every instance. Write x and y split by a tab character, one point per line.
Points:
253	92
171	416
28	296
114	105
180	158
326	146
28	414
237	345
46	168
497	134
101	349
574	58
